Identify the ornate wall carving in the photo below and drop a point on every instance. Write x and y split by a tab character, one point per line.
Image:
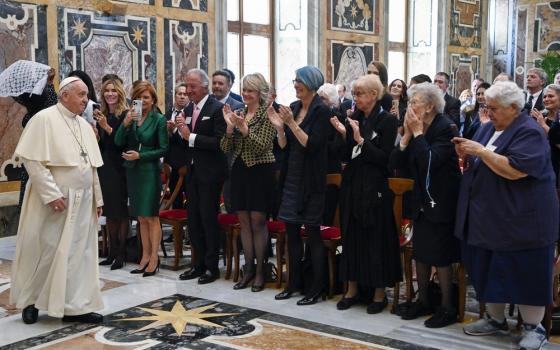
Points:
186	47
349	61
197	5
353	15
100	45
464	68
466	23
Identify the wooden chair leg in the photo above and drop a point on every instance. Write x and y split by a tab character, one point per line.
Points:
396	294
228	250
279	256
462	293
408	273
481	309
104	241
235	255
547	321
332	269
177	244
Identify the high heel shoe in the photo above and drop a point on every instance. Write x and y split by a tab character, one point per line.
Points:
248	276
106	262
142	270
117	264
312	299
148	274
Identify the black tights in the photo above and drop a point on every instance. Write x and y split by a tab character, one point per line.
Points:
444	273
117	229
254	238
317	253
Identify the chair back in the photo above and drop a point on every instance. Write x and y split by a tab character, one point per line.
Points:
399	186
335	180
167	202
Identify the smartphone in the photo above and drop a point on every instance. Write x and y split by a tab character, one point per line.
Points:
396	104
454	129
137	105
96	106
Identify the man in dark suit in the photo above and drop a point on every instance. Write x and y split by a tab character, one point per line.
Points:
221	89
536	80
177	155
232	80
202	129
341	89
452	107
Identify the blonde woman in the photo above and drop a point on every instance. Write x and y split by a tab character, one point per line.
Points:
112	176
249	138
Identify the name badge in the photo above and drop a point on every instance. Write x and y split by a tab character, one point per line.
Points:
188	120
205	118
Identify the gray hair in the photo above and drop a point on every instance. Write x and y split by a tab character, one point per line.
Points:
506	93
540	72
330	91
429	93
201	74
178	86
554	87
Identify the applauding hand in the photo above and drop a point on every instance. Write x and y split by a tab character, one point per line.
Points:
338	126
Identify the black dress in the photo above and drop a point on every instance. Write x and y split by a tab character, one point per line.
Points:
432	154
370	253
112	175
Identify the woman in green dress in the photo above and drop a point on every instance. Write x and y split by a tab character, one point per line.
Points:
144	138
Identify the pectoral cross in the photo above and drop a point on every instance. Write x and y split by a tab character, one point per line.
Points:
432	203
84	155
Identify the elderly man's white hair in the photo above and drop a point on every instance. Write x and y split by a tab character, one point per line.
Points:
506	93
428	93
201	74
67	84
331	92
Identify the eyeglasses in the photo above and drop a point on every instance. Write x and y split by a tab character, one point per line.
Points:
297	80
358	93
414	103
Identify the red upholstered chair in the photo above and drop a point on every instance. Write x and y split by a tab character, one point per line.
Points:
176	218
229	223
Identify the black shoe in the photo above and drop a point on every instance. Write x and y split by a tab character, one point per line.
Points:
310	300
117	264
208	278
255	288
285	294
443	317
30	314
248	276
106	262
92	317
138	271
190	275
346	303
416	309
377	306
148	273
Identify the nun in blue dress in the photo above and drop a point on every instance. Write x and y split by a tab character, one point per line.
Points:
507	216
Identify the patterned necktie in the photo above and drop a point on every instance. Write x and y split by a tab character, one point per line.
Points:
195	114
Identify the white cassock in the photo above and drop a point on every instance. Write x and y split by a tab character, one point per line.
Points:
56	253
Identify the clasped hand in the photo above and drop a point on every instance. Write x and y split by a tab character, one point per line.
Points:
183	128
234	120
338	126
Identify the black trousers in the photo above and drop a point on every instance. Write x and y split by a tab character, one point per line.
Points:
312	282
203	205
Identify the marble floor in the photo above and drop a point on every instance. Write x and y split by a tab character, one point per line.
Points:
161	312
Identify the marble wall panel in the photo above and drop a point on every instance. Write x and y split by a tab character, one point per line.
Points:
520	46
464	68
186	47
466	23
353	15
23	33
101	44
197	5
547	29
421	26
348	61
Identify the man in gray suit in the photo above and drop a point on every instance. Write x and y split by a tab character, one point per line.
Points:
221	86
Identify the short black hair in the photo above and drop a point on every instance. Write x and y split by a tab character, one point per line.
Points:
231	75
225	74
421	78
445	75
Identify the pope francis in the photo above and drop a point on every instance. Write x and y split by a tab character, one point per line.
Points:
55	267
